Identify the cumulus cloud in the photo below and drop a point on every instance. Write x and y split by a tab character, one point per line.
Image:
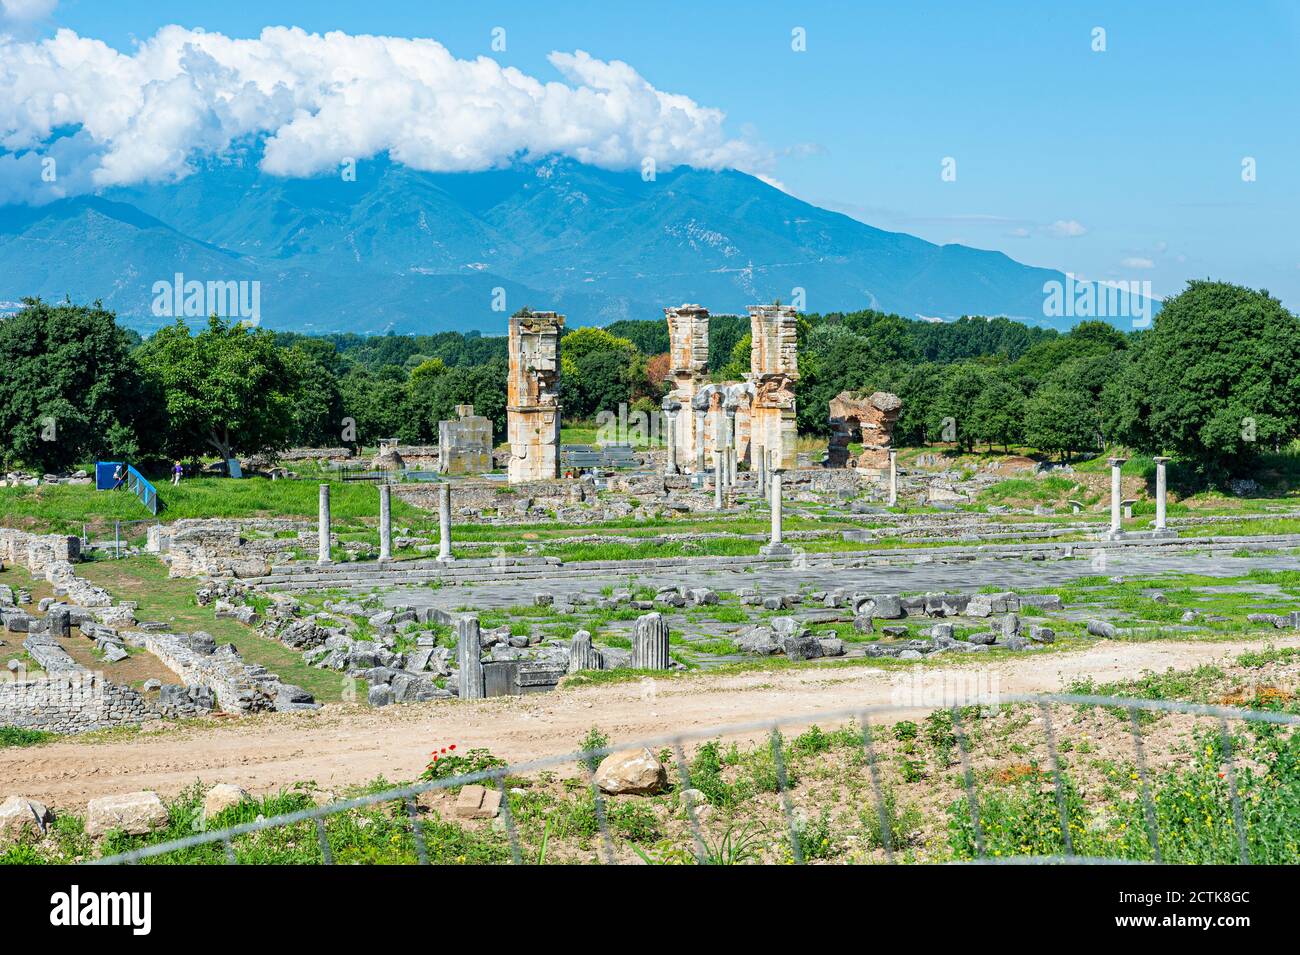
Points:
317	100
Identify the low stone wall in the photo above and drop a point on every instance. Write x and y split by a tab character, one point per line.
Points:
239	687
38	552
71	703
199	548
315	454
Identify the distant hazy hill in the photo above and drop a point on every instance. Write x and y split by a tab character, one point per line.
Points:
423	252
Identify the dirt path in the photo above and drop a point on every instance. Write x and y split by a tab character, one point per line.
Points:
348	744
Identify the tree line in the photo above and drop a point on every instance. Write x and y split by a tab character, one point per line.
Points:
1212	381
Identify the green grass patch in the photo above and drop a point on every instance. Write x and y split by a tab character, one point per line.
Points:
20	736
171	600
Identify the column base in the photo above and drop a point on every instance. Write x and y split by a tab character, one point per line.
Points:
1111	535
445	560
776	550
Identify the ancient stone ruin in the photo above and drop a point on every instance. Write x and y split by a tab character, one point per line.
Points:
532	395
868	420
388	458
465	443
773	371
688	351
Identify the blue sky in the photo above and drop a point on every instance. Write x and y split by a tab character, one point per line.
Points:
1122	164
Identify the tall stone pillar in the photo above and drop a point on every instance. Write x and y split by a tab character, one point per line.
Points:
773	371
650	643
893	477
670	432
469	662
688	351
717	480
729	447
323	526
700	421
532	396
775	545
385	522
444	522
1162	493
1116	495
733	446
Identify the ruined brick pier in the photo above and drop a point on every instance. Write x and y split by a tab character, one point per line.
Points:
532	395
773	371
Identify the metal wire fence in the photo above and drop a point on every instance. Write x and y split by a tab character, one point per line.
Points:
869	720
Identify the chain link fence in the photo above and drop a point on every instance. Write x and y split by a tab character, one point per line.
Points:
1131	714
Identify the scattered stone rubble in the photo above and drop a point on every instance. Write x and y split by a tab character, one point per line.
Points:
70	699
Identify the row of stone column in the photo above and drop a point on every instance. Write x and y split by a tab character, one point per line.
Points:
1117	495
726	442
386	523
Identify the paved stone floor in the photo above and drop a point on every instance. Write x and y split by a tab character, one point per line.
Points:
960	577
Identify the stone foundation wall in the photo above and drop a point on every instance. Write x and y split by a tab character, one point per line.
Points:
202	548
239	687
315	454
71	703
38	552
474	496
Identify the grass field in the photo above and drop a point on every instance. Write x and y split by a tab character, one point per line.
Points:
145	580
63	508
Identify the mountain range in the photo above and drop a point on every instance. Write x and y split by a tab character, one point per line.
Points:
401	250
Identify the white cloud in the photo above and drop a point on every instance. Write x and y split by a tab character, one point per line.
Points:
319	99
1066	229
27	9
1137	262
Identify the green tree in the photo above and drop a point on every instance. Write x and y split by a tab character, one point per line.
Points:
318	403
738	367
600	371
227	389
69	389
376	402
997	414
955	405
1061	420
1217	378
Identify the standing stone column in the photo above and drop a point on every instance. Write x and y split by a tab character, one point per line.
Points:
469	646
717	480
758	454
893	477
1116	515
385	522
775	545
582	655
650	643
444	522
1162	491
733	447
671	466
701	418
323	526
